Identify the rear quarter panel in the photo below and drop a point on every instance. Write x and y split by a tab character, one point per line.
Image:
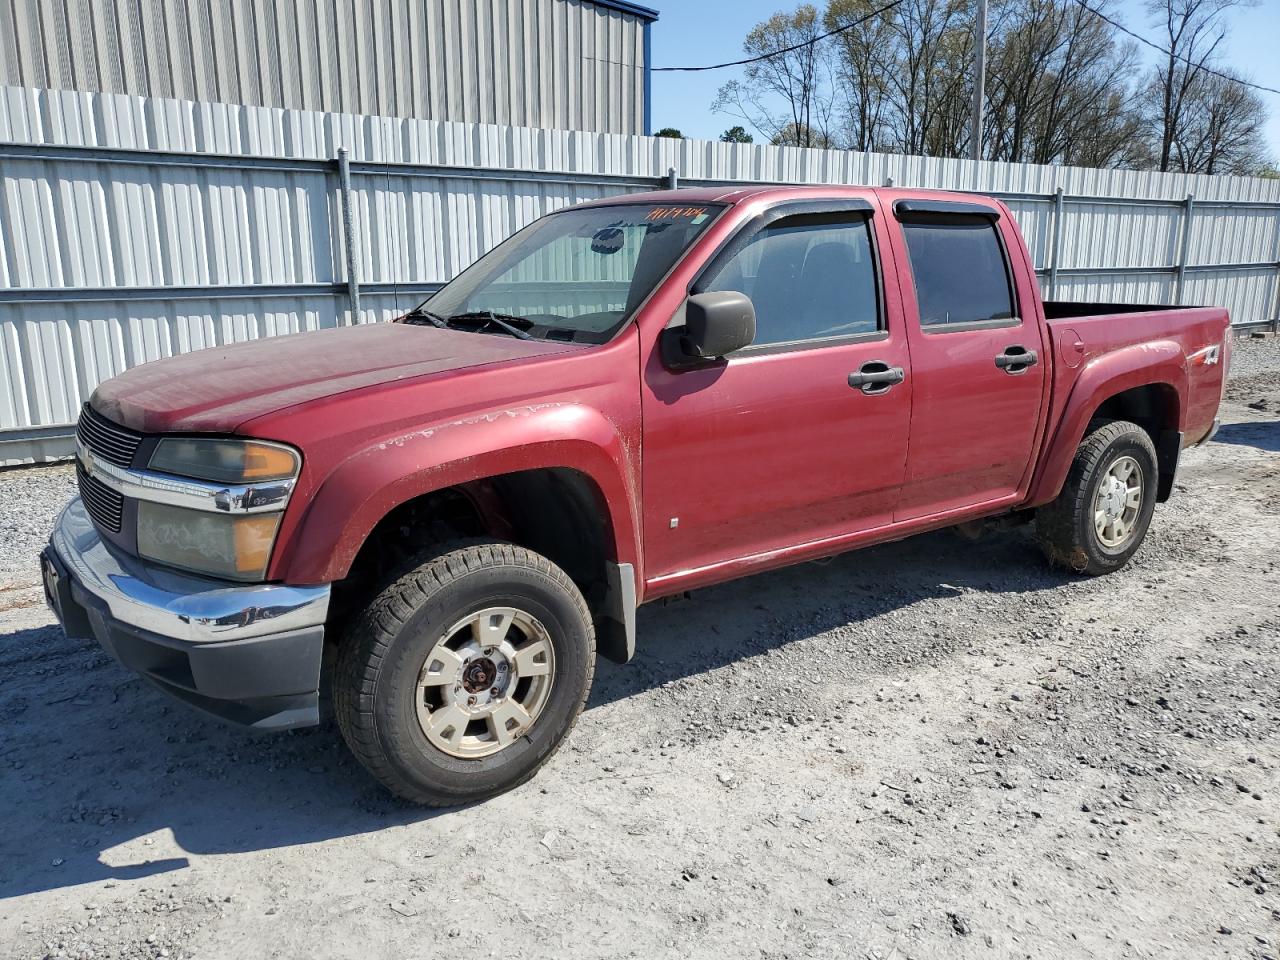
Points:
1099	356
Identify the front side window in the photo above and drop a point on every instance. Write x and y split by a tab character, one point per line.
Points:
959	270
574	275
810	277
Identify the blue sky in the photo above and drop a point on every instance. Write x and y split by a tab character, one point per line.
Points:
691	32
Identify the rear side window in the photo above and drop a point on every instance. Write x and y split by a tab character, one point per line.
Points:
809	277
959	269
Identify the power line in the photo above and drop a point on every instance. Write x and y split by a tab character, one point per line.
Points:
889	6
778	53
1155	46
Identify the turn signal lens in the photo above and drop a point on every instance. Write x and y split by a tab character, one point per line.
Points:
254	536
269	462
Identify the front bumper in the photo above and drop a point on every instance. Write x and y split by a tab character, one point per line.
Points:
249	654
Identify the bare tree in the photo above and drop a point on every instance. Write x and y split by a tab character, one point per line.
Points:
794	136
860	71
798	78
1220	130
1059	86
1063	84
902	77
929	77
1193	35
1109	133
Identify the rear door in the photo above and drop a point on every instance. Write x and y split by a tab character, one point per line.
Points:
774	447
977	358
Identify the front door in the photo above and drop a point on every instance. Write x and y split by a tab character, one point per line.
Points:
978	363
774	447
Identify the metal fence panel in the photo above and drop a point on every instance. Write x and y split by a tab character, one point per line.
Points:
1245	234
1035	220
1117	288
1117	234
1249	294
133	228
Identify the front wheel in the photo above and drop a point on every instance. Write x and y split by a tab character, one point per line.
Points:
463	676
1102	514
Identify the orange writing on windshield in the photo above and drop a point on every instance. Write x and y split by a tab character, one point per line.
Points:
675	213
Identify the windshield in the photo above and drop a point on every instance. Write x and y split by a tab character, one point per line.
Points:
575	275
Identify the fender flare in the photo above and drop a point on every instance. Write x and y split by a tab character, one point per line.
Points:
354	497
1161	362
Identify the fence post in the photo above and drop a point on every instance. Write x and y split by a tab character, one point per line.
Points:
1055	244
349	234
1188	208
673	181
1275	310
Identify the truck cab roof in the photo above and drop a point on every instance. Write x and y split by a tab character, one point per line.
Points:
781	192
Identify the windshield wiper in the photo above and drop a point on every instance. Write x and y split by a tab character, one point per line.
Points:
417	314
496	319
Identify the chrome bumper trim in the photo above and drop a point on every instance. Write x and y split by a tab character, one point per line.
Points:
272	495
179	605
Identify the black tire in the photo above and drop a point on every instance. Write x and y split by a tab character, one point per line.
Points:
1065	527
384	649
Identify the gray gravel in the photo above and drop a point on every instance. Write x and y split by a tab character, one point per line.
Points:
1252	356
30	499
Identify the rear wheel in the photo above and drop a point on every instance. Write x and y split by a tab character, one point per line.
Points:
1104	510
465	674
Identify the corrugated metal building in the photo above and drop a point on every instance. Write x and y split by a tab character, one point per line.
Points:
559	64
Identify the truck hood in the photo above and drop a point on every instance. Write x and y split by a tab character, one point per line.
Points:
219	388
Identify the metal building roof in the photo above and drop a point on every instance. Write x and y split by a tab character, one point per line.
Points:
644	13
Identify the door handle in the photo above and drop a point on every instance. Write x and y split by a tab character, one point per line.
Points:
1016	359
876	376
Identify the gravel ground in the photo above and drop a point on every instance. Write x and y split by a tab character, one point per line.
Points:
931	748
30	497
1255	354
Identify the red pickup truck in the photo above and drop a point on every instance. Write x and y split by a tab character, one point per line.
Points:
453	513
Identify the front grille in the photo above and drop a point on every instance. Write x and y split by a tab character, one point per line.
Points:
106	440
105	506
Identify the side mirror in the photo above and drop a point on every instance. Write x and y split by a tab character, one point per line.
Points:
716	324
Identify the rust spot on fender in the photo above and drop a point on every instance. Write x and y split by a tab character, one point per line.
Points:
492	417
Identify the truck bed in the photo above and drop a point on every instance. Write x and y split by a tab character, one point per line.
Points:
1089	337
1064	309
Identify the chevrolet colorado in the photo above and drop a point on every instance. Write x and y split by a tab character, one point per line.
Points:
443	519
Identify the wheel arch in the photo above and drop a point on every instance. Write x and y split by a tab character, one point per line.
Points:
569	495
366	486
1145	384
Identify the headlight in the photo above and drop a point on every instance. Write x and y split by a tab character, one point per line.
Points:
227	538
225	461
218	544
